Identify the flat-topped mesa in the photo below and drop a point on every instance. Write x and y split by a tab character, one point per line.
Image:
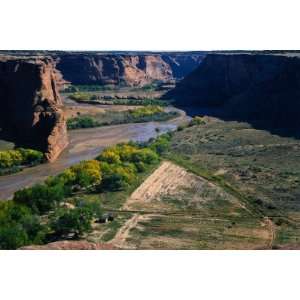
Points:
31	113
250	87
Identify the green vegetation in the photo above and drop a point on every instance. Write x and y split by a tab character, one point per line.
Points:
88	88
197	120
18	226
83	122
134	102
258	168
139	115
52	210
74	221
41	197
107	87
12	161
106	100
121	164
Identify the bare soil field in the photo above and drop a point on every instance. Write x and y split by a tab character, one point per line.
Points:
260	166
73	109
175	209
166	180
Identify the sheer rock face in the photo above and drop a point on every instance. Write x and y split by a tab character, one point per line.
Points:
125	69
245	87
31	114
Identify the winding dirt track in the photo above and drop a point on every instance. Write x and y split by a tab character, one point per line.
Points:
120	238
167	179
272	230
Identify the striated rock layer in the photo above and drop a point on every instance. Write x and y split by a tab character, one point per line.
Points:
255	87
125	69
31	113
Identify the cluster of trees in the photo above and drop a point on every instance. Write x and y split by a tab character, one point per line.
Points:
87	88
143	102
76	221
11	159
121	164
146	111
82	122
19	226
144	114
151	113
160	144
81	96
40	214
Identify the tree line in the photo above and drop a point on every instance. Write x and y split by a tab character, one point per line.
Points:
49	211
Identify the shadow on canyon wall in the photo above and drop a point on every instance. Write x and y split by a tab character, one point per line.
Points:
260	89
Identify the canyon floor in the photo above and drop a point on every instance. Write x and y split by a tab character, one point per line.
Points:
223	185
86	144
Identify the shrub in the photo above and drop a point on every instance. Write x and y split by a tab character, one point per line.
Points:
161	144
80	96
10	158
117	177
197	120
18	226
82	122
13	236
41	197
13	158
30	156
94	206
110	155
146	111
140	166
144	155
68	221
86	173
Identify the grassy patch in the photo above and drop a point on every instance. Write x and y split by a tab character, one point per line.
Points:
256	167
140	115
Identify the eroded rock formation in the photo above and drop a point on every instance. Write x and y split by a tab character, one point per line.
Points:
31	114
255	87
125	69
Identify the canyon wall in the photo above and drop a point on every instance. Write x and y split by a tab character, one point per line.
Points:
31	113
258	87
125	69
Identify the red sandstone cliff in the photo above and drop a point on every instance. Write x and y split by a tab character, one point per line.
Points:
131	69
31	112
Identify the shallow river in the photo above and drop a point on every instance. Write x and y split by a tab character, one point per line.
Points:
85	144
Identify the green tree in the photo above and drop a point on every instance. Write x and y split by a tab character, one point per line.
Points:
41	197
13	236
87	173
71	221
